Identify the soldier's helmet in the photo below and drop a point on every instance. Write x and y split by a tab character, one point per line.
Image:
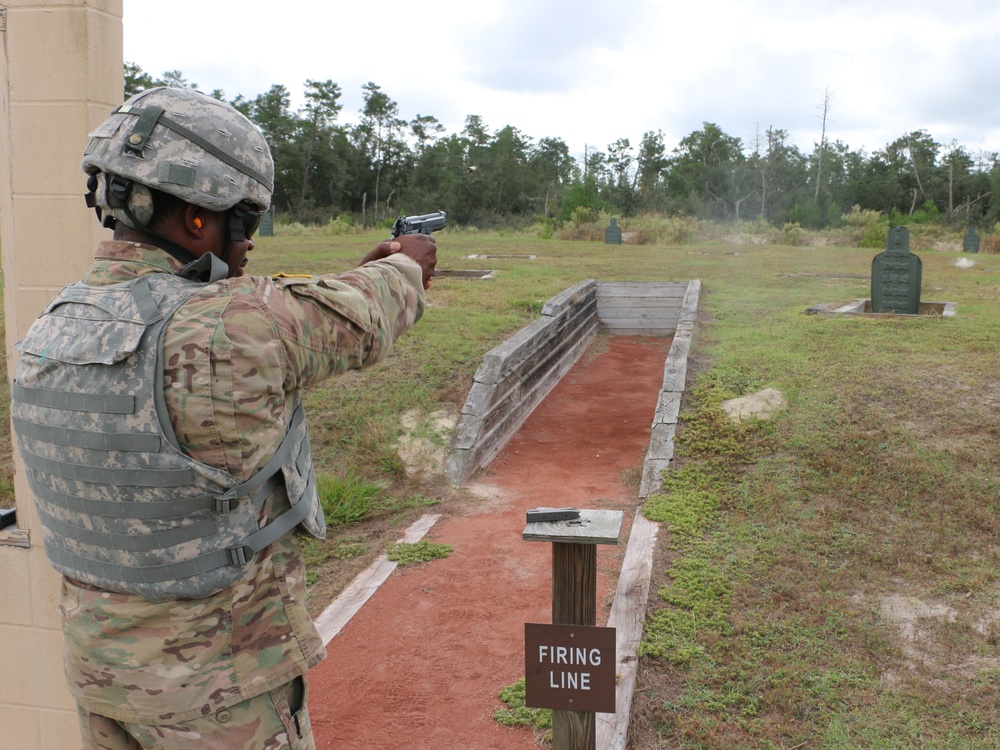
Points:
181	142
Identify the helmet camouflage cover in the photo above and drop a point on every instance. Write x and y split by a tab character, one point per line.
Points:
187	144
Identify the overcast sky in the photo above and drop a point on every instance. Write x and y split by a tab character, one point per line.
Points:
593	71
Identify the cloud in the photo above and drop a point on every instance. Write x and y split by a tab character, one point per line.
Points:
957	89
593	71
534	47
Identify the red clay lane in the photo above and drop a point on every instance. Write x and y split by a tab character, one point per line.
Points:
420	666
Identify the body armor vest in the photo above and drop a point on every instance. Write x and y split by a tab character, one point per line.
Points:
122	507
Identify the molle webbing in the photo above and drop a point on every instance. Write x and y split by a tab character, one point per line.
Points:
145	511
122	508
95	441
234	557
100	403
115	477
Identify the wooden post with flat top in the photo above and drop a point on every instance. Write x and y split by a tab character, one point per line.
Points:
574	602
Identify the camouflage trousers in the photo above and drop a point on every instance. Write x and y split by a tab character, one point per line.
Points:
277	720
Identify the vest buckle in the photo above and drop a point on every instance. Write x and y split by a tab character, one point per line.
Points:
241	555
225	503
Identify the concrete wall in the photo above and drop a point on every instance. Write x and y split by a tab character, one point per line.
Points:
60	75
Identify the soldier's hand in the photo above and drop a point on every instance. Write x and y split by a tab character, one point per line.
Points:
423	249
382	250
420	247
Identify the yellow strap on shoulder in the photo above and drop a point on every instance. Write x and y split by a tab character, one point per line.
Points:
283	275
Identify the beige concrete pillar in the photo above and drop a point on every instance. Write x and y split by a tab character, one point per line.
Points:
60	75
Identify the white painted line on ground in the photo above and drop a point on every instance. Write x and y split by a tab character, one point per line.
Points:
361	589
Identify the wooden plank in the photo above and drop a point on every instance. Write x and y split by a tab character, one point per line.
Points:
628	614
689	308
640	300
637	319
553	351
643	300
633	311
668	407
640	321
534	386
574	582
479	439
642	288
675	366
674	375
682	339
652	476
509	356
660	288
664	327
639	313
592	527
656	322
651	333
497	360
515	354
852	307
639	329
505	410
642	308
584	291
573	730
519	375
336	616
605	303
467	432
661	441
484	398
490	442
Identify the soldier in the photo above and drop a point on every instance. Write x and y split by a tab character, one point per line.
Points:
157	409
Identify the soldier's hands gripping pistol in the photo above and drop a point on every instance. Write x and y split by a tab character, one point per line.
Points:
423	224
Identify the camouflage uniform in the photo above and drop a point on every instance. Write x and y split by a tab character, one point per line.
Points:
265	721
234	356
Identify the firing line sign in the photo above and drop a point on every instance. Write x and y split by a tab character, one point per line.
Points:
569	667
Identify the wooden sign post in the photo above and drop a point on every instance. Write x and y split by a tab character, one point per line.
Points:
558	673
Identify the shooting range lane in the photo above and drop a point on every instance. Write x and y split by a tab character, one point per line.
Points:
421	664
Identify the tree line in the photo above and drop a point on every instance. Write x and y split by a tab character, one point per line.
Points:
382	165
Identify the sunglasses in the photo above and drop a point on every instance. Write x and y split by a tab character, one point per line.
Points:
244	220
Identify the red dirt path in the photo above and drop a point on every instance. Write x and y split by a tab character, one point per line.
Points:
420	666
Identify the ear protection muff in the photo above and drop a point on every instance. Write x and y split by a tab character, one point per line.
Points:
118	198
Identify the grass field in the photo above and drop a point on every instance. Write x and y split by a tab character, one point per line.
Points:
829	579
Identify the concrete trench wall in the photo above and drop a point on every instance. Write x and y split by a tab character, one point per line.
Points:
515	376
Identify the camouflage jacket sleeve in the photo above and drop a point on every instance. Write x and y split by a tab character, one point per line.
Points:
265	339
345	321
